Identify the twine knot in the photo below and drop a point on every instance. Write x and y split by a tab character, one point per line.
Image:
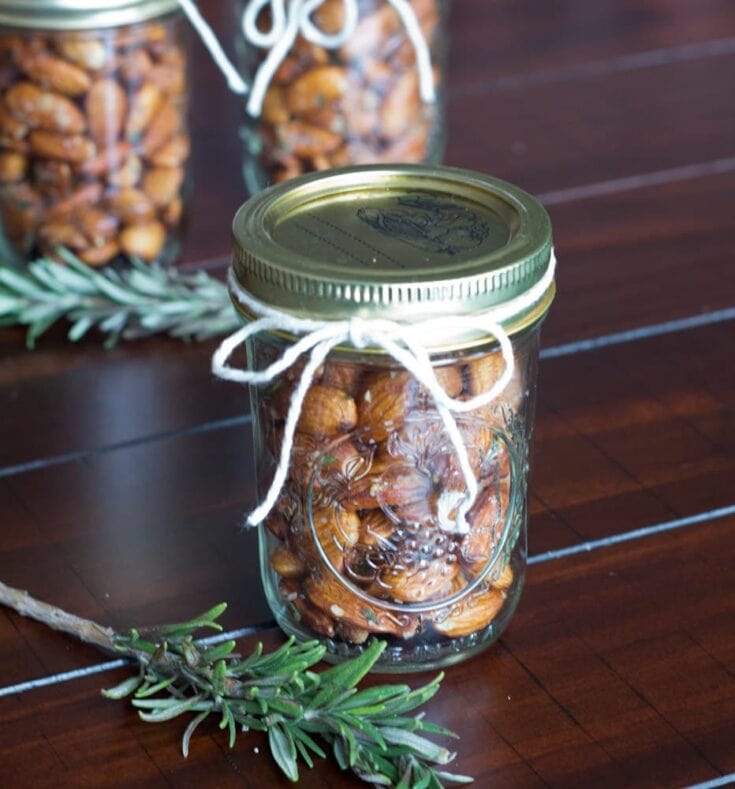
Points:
359	333
405	343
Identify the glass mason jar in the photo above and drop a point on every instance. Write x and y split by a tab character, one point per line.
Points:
356	103
366	537
93	129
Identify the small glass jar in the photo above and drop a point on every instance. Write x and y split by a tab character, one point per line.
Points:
93	129
366	537
356	103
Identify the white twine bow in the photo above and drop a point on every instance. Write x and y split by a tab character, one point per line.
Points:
403	342
289	19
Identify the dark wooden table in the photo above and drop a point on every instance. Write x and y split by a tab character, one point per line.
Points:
124	474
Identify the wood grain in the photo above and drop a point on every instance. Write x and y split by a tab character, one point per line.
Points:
619	667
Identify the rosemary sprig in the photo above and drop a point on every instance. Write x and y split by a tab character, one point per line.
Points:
137	301
306	714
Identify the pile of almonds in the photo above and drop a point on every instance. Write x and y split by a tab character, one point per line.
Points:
93	141
358	104
384	482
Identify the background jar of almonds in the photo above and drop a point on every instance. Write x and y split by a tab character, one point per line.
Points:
374	531
93	131
354	102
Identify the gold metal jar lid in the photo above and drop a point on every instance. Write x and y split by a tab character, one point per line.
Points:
398	242
81	14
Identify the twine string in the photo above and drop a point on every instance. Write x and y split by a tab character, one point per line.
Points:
405	343
289	19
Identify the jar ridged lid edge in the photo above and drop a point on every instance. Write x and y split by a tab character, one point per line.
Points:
470	271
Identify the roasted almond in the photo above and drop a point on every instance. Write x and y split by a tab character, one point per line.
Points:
304	139
98	225
351	634
63	147
327	412
333	598
91	54
174	153
402	484
330	16
62	234
418	584
275	109
55	74
100	255
135	66
144	105
107	106
128	175
89	194
344	376
401	106
372	34
108	159
387	399
338	531
289	69
20	206
162	184
505	578
11	129
52	178
132	206
305	613
486	520
45	110
471	614
277	524
286	563
170	78
316	88
162	127
13	166
377	530
412	146
483	373
173	212
145	241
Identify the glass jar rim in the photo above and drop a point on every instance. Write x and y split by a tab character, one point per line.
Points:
73	15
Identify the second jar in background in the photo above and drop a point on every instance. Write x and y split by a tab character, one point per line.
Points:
357	103
93	130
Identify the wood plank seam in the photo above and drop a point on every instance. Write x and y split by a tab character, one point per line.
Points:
586	547
636	534
631	183
85	454
725	780
552	352
640	333
633	61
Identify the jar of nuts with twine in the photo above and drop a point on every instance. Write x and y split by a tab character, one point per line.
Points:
392	331
339	82
93	130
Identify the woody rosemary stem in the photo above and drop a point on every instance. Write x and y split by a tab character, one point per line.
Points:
58	619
